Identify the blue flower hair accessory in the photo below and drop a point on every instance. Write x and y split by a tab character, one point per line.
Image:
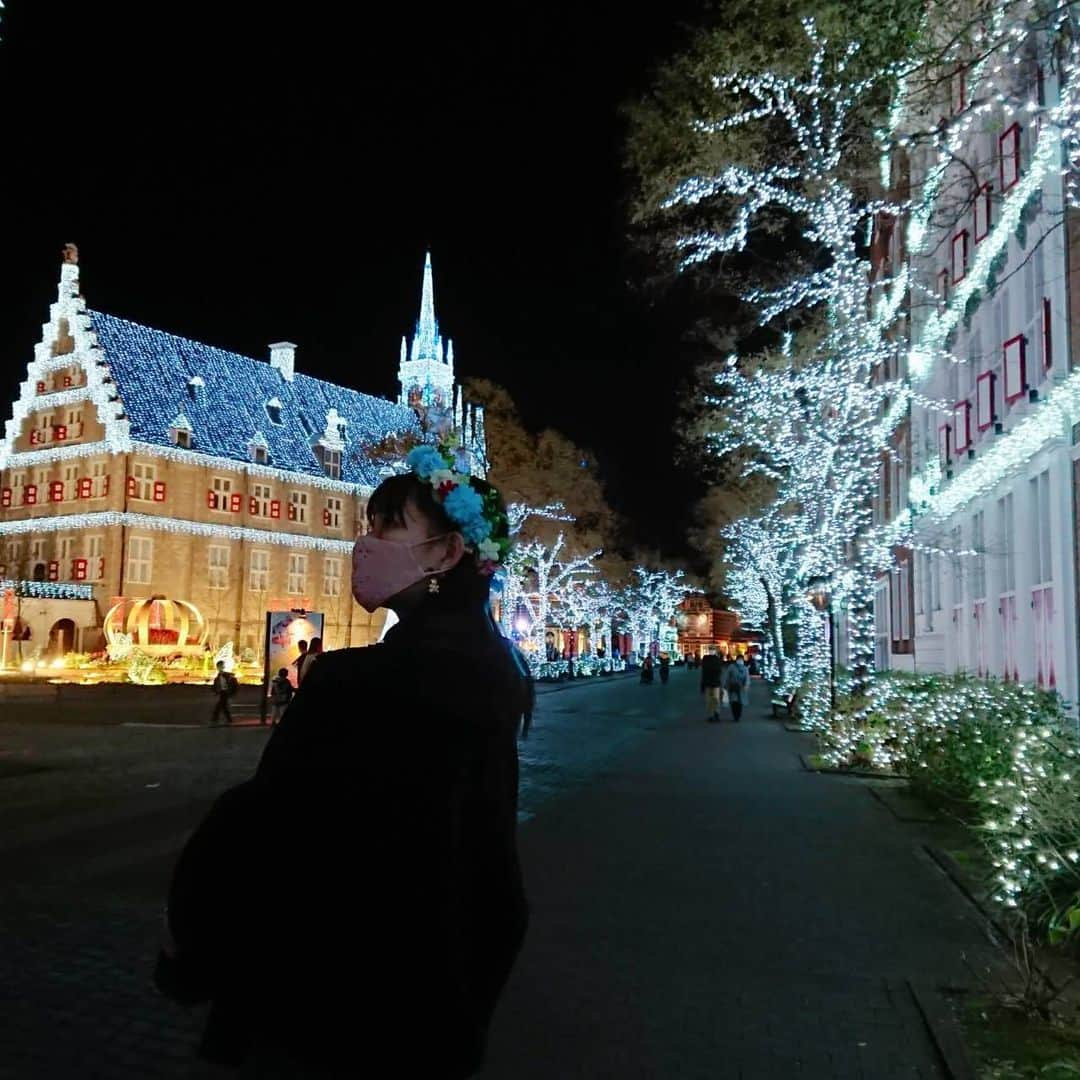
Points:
478	515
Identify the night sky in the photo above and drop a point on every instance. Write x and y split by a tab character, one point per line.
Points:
253	178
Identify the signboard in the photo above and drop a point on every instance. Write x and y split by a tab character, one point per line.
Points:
284	632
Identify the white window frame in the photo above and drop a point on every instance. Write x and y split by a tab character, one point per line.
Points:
262	494
217	566
95	554
333	512
297	577
332	576
144	473
259	570
299	501
222	487
140	561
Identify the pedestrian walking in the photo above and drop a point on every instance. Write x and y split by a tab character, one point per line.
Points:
737	685
224	686
281	693
304	663
665	668
712	679
425	788
647	671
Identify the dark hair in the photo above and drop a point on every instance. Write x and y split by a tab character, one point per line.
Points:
316	644
283	671
464	586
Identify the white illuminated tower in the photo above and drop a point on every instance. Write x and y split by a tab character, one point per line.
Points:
426	372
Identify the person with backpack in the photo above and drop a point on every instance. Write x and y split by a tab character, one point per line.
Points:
737	684
224	685
281	693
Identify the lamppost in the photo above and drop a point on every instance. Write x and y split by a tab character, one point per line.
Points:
821	598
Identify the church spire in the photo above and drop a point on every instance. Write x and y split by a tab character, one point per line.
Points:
427	329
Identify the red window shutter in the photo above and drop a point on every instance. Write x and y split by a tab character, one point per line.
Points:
101	567
1015	369
84	487
105	487
159	491
235	502
54	571
5	497
253	505
944	445
60	432
984	400
292	512
326	517
67	381
1048	341
78	569
40	387
56	491
211	498
959	256
131	485
275	508
29	494
1009	156
35	437
982	212
962	426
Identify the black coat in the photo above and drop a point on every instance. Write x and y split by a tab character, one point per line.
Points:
359	902
712	672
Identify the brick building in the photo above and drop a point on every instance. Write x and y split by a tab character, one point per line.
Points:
139	464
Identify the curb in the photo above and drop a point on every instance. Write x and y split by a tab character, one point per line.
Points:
875	793
944	1030
865	775
586	680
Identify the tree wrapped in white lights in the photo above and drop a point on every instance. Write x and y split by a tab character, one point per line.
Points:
650	602
820	420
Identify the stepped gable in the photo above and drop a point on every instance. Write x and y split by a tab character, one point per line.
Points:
158	376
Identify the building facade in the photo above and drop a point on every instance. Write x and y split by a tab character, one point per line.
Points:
988	467
140	464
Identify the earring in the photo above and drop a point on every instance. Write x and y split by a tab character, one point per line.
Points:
433	587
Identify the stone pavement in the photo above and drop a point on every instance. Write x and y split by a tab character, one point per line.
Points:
705	908
702	907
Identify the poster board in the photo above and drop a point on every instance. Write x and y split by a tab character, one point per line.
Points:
284	630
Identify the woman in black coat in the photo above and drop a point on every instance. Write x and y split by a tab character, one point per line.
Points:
356	907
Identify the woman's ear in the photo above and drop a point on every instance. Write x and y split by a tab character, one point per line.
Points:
449	552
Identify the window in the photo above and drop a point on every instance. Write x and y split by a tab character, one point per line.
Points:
95	558
183	438
218	569
332	513
944	445
14	555
260	455
217	497
297	574
273	410
982	213
259	571
140	560
71	481
74	424
958	91
298	504
141	481
259	503
942	289
1015	363
1040	506
1009	156
1047	338
1008	543
984	400
100	476
331	460
962	426
331	577
881	626
959	256
978	542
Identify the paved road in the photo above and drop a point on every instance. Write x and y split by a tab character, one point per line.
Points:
701	906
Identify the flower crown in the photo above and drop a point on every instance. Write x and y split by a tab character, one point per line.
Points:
477	514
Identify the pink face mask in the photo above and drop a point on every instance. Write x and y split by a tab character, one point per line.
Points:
383	568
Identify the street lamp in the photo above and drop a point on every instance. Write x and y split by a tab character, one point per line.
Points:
821	598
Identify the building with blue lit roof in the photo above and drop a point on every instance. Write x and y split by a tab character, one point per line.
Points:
140	463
